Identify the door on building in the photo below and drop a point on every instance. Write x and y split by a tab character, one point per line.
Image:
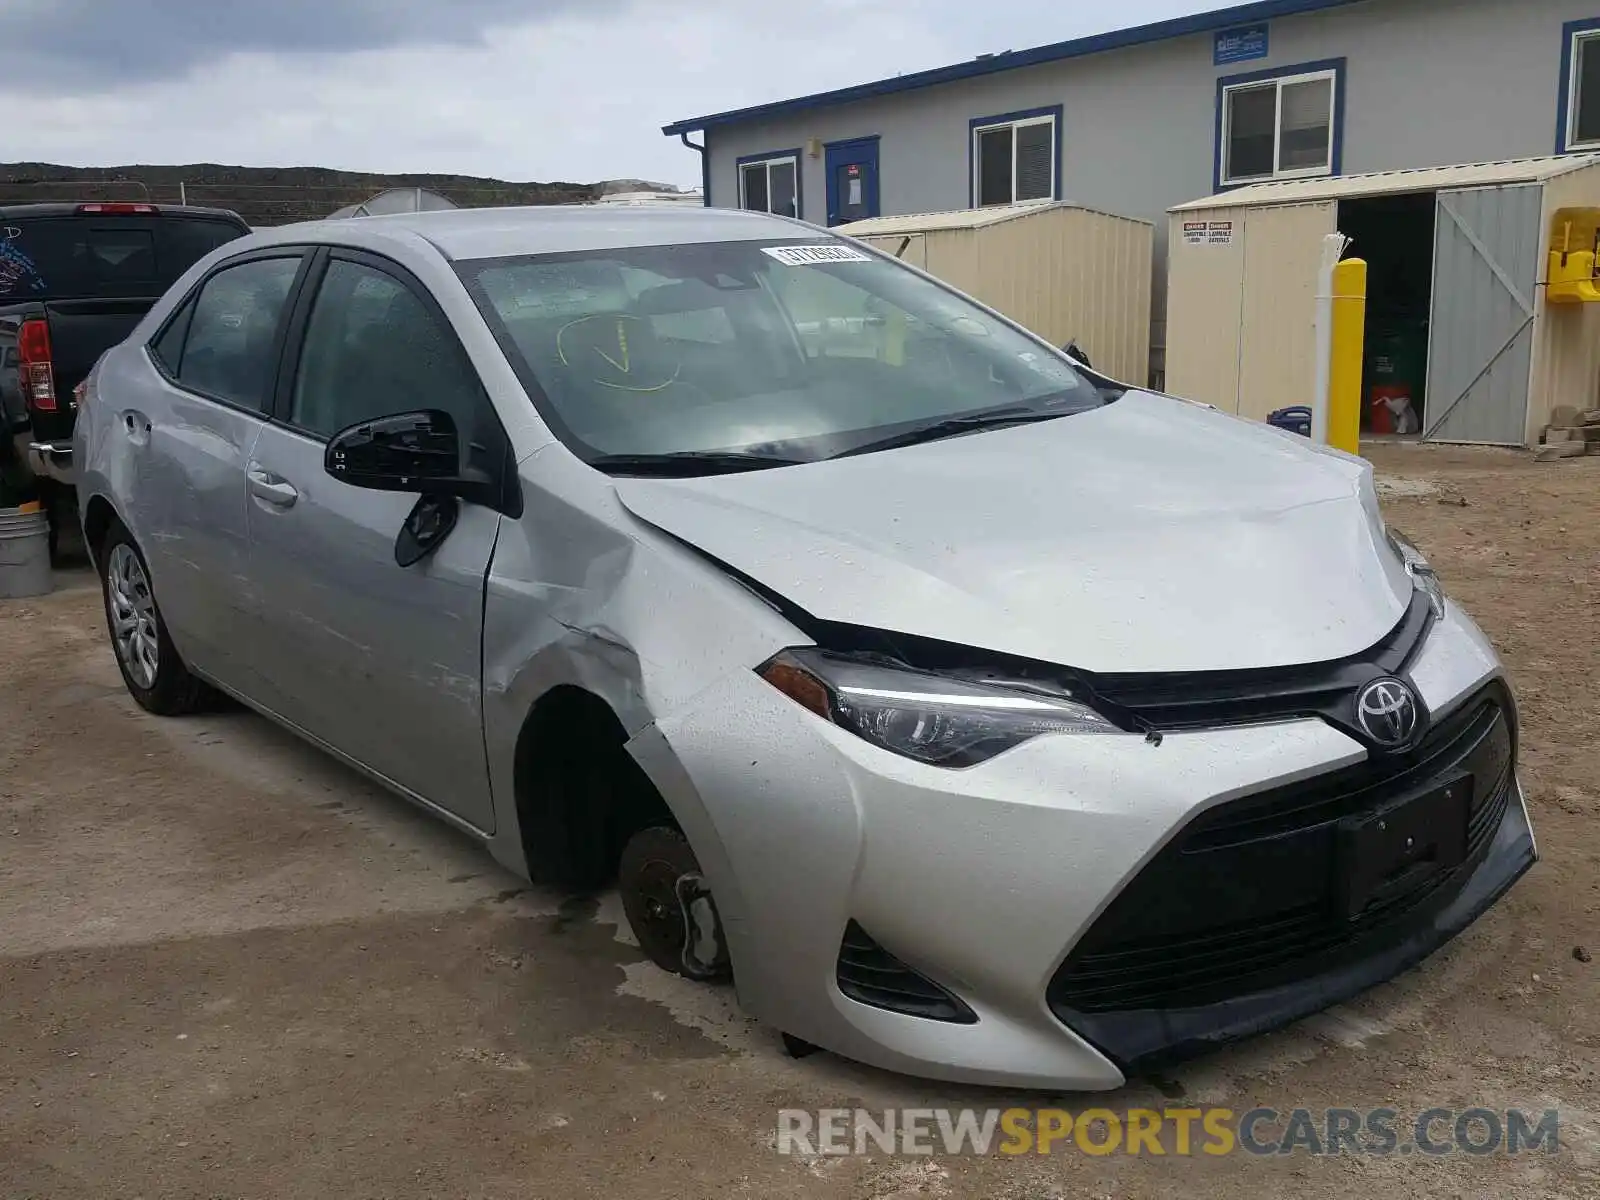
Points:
852	180
1485	287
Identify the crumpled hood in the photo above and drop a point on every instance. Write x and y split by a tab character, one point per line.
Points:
1149	535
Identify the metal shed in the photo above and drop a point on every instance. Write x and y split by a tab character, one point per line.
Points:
1467	247
1067	273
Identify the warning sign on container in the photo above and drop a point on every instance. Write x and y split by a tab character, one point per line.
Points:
1208	233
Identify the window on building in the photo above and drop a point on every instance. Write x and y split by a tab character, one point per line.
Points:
1279	128
1014	159
1583	97
771	185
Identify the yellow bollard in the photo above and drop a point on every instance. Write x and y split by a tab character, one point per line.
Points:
1349	342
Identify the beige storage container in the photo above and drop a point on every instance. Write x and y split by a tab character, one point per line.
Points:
1242	293
1066	273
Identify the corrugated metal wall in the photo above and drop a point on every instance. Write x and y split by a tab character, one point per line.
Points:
1205	301
1241	305
1063	272
1278	339
1488	247
1077	275
1566	340
909	248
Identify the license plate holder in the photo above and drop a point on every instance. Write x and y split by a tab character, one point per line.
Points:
1388	853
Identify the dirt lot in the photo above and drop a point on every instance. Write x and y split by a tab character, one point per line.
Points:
231	968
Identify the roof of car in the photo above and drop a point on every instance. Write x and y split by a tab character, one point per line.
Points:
468	233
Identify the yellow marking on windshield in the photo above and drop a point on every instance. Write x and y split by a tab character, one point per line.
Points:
623	387
622	348
622	363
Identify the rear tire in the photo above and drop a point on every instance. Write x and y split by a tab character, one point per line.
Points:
154	674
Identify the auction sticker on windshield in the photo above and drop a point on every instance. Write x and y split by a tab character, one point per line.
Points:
810	256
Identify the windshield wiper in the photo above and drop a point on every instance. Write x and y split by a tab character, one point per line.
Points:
687	463
951	426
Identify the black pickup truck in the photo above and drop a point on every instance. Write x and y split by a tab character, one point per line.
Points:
74	281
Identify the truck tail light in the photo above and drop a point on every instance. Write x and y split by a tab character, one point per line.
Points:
33	360
118	209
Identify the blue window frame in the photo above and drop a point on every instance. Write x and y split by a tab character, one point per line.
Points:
1014	157
770	183
1578	114
1283	123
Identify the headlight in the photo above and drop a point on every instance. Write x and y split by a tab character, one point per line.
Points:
936	719
1422	575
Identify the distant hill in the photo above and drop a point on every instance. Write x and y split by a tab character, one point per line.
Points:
278	195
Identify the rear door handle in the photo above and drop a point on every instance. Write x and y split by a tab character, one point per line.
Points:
137	426
273	489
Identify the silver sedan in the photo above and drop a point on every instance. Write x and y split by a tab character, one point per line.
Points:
983	718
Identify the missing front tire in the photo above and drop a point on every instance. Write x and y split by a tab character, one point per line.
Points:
670	907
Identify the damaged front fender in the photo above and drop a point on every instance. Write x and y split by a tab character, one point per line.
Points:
583	595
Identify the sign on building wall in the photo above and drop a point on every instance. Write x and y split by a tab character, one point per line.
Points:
1240	45
1208	233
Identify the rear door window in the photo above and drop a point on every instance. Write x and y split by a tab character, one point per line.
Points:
168	348
229	348
70	257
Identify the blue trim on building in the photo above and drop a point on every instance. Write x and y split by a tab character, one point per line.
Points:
831	150
1159	31
977	123
1336	158
745	160
1569	33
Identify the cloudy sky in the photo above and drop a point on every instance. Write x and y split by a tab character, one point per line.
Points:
518	89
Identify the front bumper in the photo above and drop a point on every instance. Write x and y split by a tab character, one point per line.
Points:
1142	1039
982	881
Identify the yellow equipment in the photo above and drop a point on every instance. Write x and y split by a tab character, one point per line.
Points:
1574	244
1349	339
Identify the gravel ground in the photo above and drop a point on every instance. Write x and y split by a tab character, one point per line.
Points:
231	968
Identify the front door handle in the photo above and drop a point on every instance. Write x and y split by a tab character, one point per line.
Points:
273	489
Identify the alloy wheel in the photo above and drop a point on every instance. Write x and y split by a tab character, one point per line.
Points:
133	615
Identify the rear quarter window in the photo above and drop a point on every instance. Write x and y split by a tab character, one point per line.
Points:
69	257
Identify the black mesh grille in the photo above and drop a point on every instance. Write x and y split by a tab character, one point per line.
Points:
1248	896
869	974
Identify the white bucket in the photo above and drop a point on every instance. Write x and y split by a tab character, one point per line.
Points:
24	554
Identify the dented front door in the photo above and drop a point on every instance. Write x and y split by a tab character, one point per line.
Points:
381	662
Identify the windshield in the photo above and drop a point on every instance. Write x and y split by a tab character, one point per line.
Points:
774	353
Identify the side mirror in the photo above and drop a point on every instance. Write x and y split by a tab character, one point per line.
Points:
409	452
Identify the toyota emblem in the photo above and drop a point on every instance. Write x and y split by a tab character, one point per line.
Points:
1389	713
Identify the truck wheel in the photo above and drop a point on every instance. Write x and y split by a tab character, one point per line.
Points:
669	905
150	666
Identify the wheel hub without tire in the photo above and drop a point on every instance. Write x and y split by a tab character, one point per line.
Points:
669	905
